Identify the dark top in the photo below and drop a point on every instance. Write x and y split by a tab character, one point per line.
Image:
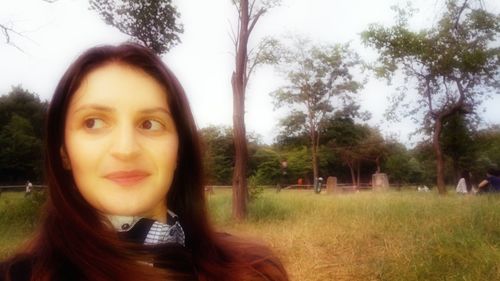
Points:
494	182
19	271
172	256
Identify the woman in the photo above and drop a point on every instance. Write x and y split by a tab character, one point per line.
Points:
464	185
126	199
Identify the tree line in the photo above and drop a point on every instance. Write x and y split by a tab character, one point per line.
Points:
352	152
21	133
348	149
453	66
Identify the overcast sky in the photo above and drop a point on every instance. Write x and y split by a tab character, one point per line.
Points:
53	35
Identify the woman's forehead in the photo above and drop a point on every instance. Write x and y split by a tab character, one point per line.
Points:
119	86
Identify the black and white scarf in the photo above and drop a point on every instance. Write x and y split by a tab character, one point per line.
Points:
148	231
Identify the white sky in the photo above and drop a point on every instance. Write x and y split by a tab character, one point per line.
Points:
55	34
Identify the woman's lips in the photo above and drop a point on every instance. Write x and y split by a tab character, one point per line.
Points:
127	178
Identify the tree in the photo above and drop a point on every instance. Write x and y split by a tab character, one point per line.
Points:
299	166
355	144
21	124
248	16
318	77
267	171
218	157
487	146
369	149
218	149
25	104
343	137
402	166
457	142
21	151
453	65
153	23
343	143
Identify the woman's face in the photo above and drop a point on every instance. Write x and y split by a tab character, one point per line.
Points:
121	142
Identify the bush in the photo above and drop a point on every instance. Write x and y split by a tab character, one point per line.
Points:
255	187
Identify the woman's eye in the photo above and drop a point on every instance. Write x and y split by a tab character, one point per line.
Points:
94	123
151	125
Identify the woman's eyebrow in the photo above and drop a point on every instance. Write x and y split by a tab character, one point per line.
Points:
155	110
95	107
110	109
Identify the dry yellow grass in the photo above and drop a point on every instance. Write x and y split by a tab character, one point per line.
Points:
374	236
360	236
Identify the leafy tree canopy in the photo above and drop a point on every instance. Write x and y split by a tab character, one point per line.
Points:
320	82
21	124
153	23
25	104
453	66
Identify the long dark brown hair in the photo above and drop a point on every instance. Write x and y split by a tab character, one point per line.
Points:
73	239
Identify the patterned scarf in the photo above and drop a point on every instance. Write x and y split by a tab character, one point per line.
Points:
148	231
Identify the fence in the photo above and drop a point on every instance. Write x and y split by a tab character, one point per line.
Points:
19	188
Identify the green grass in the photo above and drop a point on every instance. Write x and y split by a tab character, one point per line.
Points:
18	216
360	236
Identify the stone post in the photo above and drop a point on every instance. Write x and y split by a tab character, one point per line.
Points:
380	182
331	185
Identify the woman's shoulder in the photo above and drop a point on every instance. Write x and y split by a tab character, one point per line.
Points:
18	268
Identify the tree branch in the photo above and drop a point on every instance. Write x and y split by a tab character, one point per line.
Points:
6	31
254	63
459	14
233	37
458	105
255	19
250	10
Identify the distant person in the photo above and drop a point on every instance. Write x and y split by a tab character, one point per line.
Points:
491	183
29	188
423	188
300	182
317	185
464	185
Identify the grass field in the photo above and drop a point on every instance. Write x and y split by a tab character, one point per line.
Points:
18	216
359	236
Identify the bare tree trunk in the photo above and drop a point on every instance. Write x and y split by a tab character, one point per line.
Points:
353	174
358	181
240	143
458	106
314	151
439	156
377	162
240	191
456	168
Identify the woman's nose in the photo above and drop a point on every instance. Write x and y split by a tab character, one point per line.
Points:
125	145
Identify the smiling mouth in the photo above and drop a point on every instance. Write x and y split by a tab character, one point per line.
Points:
127	178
